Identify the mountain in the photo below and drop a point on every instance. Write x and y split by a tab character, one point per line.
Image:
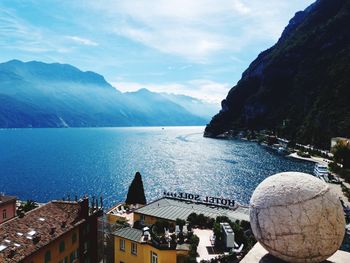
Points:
300	87
159	108
36	94
193	105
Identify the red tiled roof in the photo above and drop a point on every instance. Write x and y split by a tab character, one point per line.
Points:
58	215
7	198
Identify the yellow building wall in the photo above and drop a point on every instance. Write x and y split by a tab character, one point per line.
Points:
114	218
164	256
143	253
149	220
126	256
56	255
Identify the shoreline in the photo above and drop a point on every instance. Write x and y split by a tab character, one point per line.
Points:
335	188
313	159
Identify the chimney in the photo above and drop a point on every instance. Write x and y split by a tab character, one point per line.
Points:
11	253
52	230
83	207
36	238
21	213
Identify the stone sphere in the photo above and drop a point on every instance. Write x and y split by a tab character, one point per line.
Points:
297	218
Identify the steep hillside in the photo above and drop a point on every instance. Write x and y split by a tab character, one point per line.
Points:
300	87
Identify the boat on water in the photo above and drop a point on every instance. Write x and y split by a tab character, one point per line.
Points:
321	171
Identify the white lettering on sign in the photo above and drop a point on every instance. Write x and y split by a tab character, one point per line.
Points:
206	199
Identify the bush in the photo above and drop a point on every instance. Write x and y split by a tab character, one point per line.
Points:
191	257
159	226
334	167
192	219
180	223
341	153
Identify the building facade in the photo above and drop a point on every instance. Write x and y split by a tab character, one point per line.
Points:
57	232
131	247
7	207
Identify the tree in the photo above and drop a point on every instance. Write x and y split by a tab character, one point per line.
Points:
180	223
192	219
160	226
28	205
136	193
341	153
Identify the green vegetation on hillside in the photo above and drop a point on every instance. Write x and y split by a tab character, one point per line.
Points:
299	88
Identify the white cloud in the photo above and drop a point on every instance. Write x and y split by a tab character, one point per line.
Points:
203	89
199	29
82	41
17	34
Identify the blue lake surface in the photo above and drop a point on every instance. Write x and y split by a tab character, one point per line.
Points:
45	164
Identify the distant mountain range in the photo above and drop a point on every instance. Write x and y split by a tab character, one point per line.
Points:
300	87
36	94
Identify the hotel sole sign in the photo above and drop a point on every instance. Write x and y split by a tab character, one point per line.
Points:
207	199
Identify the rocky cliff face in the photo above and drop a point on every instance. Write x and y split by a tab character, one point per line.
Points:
300	87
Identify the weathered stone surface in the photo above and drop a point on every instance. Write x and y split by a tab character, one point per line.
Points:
260	255
297	218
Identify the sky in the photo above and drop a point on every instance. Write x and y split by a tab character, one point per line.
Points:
198	48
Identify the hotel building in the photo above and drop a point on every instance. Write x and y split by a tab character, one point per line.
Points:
133	245
170	208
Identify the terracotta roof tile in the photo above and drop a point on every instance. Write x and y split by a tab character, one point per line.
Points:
36	229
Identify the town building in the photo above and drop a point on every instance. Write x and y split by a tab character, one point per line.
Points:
132	245
7	207
57	232
172	208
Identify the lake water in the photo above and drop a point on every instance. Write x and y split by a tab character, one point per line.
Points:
45	164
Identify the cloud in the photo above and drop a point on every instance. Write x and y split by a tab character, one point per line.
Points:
197	30
17	34
206	90
82	41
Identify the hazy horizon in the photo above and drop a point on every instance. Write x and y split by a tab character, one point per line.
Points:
192	47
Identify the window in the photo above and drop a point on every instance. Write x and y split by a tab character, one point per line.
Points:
85	245
61	246
47	256
154	257
122	244
72	257
74	237
4	215
133	248
142	218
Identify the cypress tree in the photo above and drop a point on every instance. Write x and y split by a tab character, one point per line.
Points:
136	193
